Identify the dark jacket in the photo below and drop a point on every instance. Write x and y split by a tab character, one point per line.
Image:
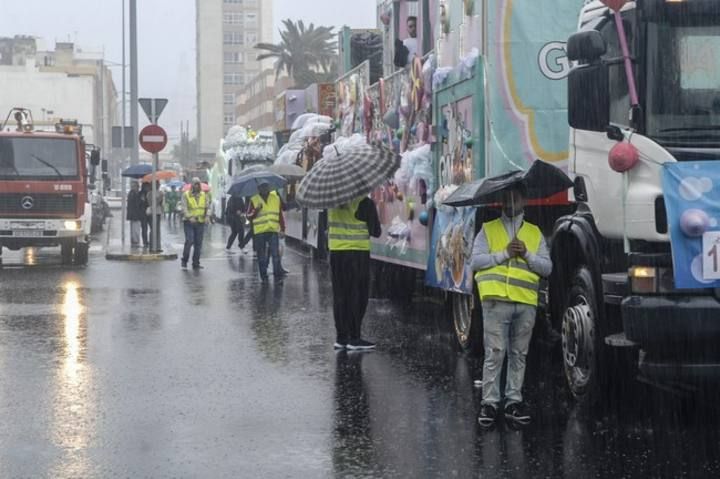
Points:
234	205
135	207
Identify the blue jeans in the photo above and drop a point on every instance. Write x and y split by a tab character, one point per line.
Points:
193	239
267	245
508	328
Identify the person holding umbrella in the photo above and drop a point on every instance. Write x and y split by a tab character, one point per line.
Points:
195	209
265	213
510	256
350	228
135	213
341	182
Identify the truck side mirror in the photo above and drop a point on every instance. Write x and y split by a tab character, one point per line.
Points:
104	166
95	157
586	47
589	97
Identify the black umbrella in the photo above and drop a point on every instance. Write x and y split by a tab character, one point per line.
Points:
540	181
138	171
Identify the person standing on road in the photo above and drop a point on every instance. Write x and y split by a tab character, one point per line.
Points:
195	209
265	213
173	198
510	256
135	213
350	229
145	193
234	211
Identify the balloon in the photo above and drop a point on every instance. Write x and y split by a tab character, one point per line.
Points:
614	4
623	157
421	132
694	222
391	119
424	218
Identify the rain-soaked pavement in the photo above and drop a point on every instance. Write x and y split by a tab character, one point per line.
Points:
144	370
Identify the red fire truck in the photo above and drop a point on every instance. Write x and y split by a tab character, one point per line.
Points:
44	198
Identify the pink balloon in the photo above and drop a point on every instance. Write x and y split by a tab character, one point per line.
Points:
623	157
694	222
421	132
615	4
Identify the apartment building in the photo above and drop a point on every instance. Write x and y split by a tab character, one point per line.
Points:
227	32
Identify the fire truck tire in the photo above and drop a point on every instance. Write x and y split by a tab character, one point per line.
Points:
66	252
81	253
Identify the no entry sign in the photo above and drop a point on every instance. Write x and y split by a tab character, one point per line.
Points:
153	139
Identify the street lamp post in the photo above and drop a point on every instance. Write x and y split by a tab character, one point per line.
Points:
134	113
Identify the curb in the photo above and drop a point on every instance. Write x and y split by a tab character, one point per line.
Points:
139	257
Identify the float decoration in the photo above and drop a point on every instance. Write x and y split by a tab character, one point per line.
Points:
416	90
623	157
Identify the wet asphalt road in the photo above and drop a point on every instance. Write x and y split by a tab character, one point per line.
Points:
144	370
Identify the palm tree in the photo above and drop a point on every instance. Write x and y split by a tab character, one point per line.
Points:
303	52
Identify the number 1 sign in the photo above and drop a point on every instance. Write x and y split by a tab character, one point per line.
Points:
711	255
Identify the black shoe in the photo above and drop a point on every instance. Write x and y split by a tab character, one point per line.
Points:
197	266
264	279
183	264
487	416
517	413
340	345
360	345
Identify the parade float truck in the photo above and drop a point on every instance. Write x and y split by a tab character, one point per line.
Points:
496	85
44	198
486	94
636	265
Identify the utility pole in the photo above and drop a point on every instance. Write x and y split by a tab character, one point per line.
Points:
134	113
123	151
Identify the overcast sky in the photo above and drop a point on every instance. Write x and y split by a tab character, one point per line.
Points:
166	35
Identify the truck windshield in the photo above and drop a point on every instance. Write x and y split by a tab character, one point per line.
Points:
38	158
683	80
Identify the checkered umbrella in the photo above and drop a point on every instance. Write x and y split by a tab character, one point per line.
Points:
353	172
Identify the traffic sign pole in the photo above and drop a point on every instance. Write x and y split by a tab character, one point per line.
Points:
154	240
153	139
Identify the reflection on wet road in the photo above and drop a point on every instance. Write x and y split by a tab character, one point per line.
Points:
144	370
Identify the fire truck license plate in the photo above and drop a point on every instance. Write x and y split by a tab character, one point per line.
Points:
28	233
28	225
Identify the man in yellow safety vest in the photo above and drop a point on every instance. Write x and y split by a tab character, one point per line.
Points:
510	256
194	208
349	230
265	213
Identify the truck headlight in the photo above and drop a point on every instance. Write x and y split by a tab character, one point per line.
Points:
649	280
72	225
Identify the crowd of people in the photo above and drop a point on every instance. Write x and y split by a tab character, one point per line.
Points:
509	258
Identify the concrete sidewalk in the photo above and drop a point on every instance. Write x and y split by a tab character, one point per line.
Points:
115	250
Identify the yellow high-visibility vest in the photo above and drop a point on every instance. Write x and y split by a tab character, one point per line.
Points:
196	207
268	219
345	232
512	280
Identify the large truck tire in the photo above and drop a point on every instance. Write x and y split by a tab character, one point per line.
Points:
467	322
81	253
582	335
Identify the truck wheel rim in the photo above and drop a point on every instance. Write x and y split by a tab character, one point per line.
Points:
578	331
